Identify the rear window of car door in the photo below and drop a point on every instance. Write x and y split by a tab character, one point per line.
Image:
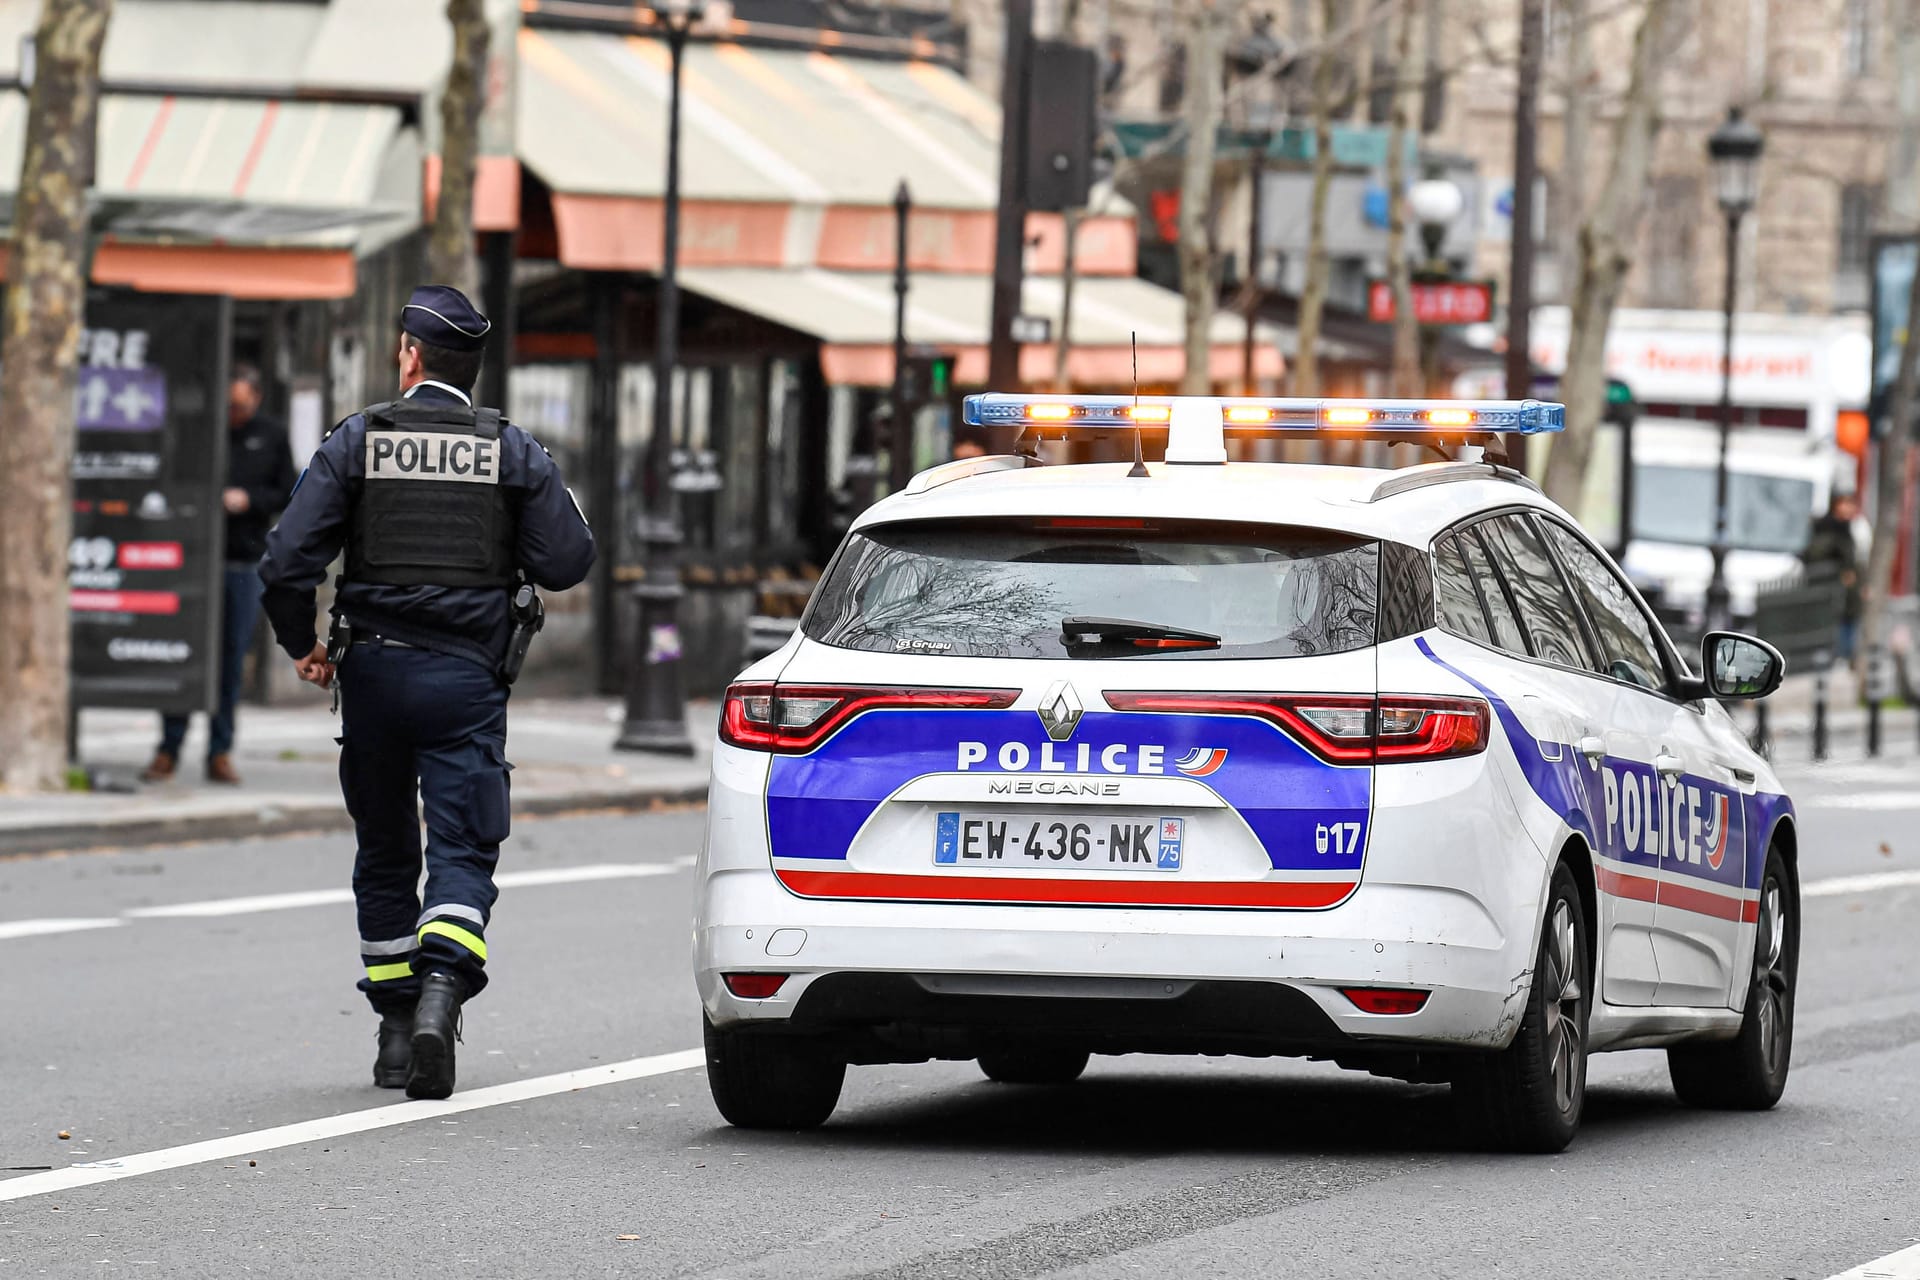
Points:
1455	596
1547	611
1506	626
1632	653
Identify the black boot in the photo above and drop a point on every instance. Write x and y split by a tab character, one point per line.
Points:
436	1027
395	1059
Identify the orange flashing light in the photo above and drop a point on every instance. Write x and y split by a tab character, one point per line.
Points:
1345	416
1050	412
1249	413
1150	413
1450	417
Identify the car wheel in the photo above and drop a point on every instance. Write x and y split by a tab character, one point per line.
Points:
1034	1066
772	1081
1749	1072
1528	1096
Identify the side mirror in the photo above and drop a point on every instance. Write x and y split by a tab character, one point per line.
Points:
1739	666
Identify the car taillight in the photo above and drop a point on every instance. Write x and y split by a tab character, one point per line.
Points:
792	719
754	986
1385	999
1342	728
1431	728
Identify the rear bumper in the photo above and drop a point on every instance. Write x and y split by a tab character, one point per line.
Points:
1449	903
1124	980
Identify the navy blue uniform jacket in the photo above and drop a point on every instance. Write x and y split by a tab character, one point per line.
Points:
555	550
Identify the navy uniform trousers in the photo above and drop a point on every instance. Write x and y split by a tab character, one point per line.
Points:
414	718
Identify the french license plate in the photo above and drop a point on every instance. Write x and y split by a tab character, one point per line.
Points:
1059	842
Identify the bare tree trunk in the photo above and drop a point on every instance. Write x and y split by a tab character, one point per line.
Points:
1063	347
1606	239
1406	380
1313	295
1364	46
1206	65
450	253
38	356
1576	136
1903	191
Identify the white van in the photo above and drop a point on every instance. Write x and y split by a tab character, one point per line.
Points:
1777	482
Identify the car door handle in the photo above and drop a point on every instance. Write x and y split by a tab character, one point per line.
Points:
1743	776
1669	764
1593	747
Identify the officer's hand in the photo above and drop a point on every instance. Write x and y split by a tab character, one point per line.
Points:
314	668
235	501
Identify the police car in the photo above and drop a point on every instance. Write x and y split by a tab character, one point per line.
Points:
1391	768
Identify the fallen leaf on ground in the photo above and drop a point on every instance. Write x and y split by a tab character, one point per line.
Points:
626	1237
1886	850
64	1135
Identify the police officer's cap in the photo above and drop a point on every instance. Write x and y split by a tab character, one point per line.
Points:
440	316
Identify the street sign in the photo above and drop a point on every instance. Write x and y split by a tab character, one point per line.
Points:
1028	328
150	456
1436	301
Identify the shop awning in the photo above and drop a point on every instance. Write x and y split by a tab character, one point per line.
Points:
852	315
250	197
789	158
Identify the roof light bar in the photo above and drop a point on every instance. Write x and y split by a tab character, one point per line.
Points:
1388	417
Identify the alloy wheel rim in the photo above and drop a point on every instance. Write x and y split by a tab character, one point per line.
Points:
1770	980
1564	993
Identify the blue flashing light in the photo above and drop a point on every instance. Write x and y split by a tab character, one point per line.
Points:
1254	415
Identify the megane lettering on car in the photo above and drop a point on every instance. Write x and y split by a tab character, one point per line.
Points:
1387	767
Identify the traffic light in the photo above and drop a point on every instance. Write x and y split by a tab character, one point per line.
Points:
926	378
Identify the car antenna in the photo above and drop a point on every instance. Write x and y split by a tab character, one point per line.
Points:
1139	470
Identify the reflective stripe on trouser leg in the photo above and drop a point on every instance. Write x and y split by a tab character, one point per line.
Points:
388	960
455	947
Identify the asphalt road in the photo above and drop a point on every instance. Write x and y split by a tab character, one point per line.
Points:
151	1000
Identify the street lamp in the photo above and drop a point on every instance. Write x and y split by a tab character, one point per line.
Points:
656	713
1735	150
1435	203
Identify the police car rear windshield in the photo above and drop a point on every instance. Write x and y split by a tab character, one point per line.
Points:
1186	590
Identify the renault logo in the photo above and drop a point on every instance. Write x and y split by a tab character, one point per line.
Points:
1060	711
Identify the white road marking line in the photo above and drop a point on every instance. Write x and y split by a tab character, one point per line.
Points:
329	897
1904	1265
1866	800
242	906
35	928
307	1131
1873	880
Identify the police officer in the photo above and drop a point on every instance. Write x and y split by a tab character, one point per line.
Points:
442	509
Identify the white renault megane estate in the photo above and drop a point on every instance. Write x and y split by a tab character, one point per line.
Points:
1392	768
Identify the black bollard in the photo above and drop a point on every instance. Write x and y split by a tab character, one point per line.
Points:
1873	728
1820	717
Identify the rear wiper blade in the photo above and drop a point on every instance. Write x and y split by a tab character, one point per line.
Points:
1125	633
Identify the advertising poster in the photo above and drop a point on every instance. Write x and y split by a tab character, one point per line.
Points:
149	462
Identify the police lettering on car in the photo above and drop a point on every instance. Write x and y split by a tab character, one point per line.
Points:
449	517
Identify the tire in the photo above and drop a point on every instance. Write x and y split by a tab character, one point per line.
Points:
1749	1072
772	1081
1034	1066
1528	1096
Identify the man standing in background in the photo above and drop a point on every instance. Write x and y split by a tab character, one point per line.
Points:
260	476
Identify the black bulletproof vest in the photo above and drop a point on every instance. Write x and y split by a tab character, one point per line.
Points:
432	511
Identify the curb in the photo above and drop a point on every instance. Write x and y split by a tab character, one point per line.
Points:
306	819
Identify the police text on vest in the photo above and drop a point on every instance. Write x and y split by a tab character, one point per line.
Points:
432	455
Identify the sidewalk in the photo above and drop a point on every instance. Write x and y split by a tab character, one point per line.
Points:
561	748
1790	718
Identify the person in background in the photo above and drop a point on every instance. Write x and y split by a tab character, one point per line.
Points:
1831	552
260	476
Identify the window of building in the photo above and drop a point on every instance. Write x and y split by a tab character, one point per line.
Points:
1673	216
1857	38
1859	208
1173	78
